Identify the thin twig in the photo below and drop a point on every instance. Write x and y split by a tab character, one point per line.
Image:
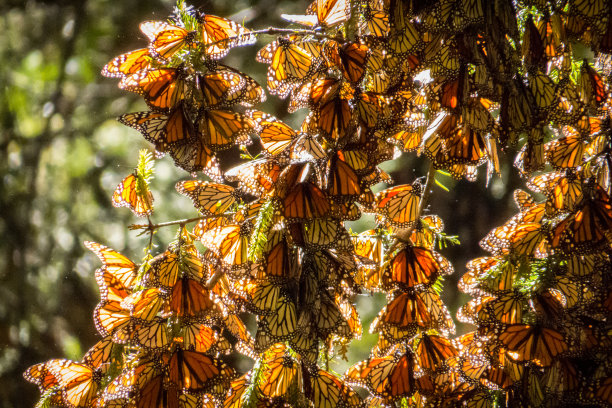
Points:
152	227
212	281
271	31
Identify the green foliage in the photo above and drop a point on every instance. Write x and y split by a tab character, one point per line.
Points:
263	225
144	171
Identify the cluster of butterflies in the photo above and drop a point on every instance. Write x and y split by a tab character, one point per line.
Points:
163	333
273	232
191	95
543	299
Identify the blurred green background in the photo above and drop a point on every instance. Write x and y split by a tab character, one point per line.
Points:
62	153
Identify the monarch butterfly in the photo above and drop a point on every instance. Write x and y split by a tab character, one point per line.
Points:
399	204
517	108
376	19
506	375
351	58
322	13
342	182
236	327
528	239
500	239
219	34
103	355
543	90
255	177
193	371
410	267
404	36
523	199
76	383
370	108
474	399
506	308
166	268
133	193
571	292
453	93
390	377
109	315
408	138
197	156
229	243
563	189
463	145
570	109
472	11
305	201
289	65
282	375
432	352
585	229
262	296
604	390
499	277
369	246
566	152
592	87
405	310
605	43
166	39
279	325
165	131
550	304
161	88
533	48
307	148
305	342
144	304
328	318
115	264
190	298
320	234
581	265
552	33
349	312
220	129
209	198
476	268
153	334
327	391
278	260
475	114
131	381
128	64
333	265
474	312
471	356
203	339
445	63
226	87
537	344
334	117
562	376
275	135
236	395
